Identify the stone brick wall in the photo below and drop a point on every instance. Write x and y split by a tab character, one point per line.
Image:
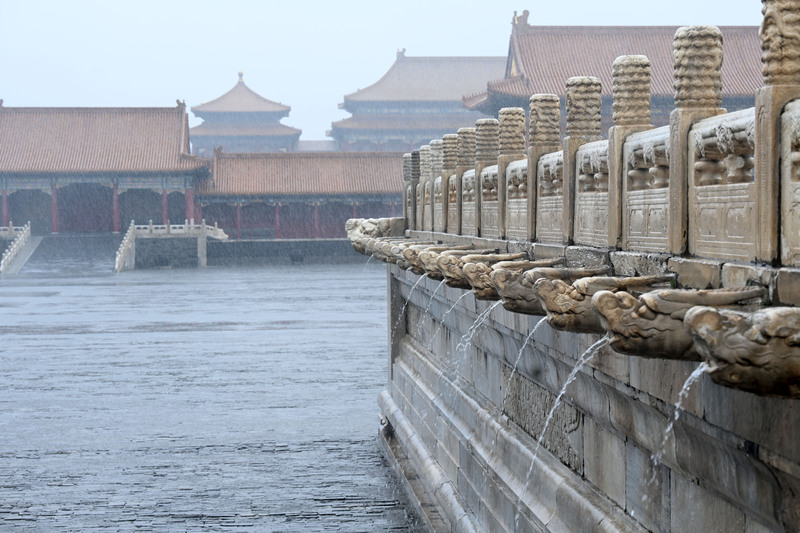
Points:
731	463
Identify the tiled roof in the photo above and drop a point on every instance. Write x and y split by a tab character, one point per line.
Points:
310	173
227	129
431	79
241	99
542	58
409	121
91	139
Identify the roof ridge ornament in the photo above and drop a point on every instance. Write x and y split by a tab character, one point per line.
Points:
241	76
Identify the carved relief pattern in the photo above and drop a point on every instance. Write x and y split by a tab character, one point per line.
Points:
436	158
406	167
545	119
420	204
591	194
449	151
465	153
487	140
468	203
780	42
697	55
551	202
646	191
438	205
489	203
512	131
631	88
722	195
790	184
453	208
425	162
583	106
550	174
517	200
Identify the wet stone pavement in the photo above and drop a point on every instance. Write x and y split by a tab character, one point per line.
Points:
194	400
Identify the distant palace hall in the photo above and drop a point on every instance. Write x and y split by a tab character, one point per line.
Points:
96	169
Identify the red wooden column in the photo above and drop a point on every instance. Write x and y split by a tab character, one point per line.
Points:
164	207
54	209
238	221
316	220
391	209
277	221
115	203
189	194
6	214
355	210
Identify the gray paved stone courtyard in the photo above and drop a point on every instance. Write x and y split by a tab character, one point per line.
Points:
216	400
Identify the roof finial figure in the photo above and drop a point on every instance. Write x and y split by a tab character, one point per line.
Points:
241	76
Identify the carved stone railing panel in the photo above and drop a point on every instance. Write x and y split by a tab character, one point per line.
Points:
420	203
722	194
790	185
438	205
468	203
645	191
549	179
453	205
591	194
517	201
490	206
427	208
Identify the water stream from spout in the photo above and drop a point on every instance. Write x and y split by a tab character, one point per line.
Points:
365	264
585	358
656	458
441	326
439	286
408	299
531	335
466	340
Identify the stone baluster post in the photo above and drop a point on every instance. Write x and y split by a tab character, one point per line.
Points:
416	186
427	187
512	148
697	54
544	137
436	175
780	56
449	148
465	161
408	193
487	150
631	113
583	126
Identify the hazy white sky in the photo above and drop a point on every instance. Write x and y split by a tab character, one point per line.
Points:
304	54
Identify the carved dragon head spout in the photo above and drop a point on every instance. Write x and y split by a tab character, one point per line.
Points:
569	307
756	352
506	280
478	269
652	324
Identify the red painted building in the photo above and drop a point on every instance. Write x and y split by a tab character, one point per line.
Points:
95	169
300	195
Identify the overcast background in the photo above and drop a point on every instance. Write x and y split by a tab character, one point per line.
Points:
304	54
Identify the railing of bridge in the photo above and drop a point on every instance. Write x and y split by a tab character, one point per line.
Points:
22	235
125	247
187	229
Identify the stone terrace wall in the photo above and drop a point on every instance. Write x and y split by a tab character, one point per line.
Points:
711	198
468	418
